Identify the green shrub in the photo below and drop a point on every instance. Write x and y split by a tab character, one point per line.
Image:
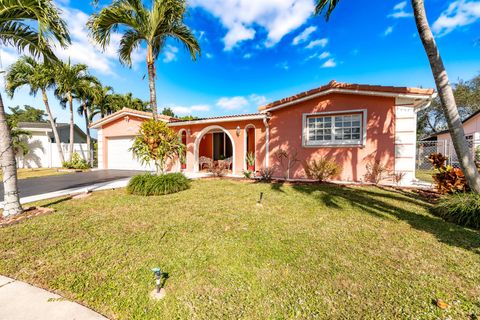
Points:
322	169
76	163
154	185
462	208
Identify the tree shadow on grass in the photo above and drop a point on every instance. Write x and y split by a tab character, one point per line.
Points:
382	204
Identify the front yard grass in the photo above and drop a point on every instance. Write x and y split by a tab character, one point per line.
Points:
307	252
37	172
424	175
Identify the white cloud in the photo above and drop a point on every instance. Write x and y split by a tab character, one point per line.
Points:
8	56
284	65
388	31
232	103
400	12
330	63
317	43
247	55
304	35
459	13
240	102
84	50
324	55
180	110
241	17
208	55
170	54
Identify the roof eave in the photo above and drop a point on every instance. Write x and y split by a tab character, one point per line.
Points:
216	120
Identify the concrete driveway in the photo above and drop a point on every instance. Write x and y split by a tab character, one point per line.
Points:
41	185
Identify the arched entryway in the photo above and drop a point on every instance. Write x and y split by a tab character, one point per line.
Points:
222	146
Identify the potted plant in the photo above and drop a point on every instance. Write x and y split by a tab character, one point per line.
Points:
251	161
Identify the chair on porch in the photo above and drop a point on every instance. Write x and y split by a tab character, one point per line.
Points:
205	161
228	162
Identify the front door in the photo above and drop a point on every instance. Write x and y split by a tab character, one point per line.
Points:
222	146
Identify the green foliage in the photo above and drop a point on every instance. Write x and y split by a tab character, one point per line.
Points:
447	178
76	163
30	25
154	185
322	169
168	112
462	208
157	142
248	174
26	114
19	137
250	159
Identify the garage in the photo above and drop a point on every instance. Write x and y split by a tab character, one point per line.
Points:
120	157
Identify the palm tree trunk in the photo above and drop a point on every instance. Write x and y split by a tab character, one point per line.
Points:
54	126
87	130
151	81
8	165
72	133
447	98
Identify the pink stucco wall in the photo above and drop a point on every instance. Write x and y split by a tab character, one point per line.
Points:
286	133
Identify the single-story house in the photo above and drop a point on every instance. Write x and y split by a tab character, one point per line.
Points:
351	124
442	141
43	152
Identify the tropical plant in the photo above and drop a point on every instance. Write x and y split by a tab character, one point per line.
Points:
447	178
266	173
27	26
26	114
77	162
38	76
443	85
67	79
462	208
153	185
248	174
287	160
19	137
219	168
321	169
158	143
250	159
376	172
102	101
139	24
85	91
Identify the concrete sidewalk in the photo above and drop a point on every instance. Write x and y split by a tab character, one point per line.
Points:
21	301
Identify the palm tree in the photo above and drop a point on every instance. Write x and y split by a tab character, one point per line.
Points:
101	101
139	25
26	25
442	83
85	91
67	77
38	76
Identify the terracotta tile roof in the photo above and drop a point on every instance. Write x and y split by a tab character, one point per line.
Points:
131	111
348	86
219	117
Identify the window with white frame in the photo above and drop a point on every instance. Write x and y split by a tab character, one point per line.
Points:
334	129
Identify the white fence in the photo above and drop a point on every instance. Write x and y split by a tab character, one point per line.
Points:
45	154
445	147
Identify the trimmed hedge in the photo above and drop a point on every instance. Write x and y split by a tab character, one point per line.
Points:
153	185
462	208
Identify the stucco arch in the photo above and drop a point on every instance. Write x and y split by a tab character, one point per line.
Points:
198	139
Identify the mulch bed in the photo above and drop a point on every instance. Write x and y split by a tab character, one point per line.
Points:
27	214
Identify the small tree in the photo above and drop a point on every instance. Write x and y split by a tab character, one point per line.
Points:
157	143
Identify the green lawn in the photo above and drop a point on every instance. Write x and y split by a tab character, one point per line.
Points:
38	172
308	252
424	175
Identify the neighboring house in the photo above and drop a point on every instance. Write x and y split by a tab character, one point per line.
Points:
351	124
43	152
442	141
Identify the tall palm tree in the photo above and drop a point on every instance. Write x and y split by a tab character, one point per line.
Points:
85	91
101	101
38	76
67	77
142	25
27	25
442	83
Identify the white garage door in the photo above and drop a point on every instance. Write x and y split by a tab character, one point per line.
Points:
119	157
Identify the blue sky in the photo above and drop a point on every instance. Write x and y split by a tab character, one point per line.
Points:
256	51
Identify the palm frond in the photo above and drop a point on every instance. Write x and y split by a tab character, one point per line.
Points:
129	42
185	36
326	6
